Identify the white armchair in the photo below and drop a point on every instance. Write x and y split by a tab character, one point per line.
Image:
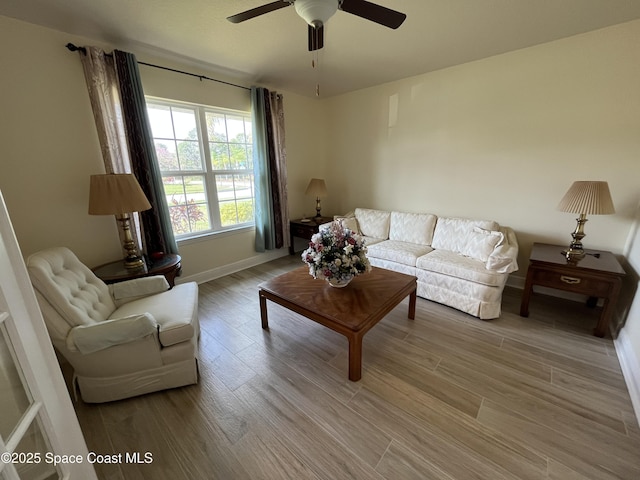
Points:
122	340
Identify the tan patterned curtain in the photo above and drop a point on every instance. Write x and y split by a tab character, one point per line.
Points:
102	85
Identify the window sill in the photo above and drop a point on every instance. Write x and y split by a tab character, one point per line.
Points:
205	237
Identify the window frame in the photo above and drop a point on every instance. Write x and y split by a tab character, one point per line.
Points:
208	172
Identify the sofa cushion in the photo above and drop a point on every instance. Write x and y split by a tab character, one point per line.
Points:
348	221
373	223
412	227
481	243
372	241
396	251
453	234
456	265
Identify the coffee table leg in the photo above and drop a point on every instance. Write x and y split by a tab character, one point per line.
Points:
263	310
412	305
355	358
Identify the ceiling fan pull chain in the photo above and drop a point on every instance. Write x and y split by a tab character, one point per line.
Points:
315	63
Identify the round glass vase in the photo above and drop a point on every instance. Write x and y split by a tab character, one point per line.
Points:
337	283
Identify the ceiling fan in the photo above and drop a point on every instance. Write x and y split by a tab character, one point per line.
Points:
317	12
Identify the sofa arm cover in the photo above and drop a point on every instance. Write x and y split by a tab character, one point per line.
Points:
128	290
504	257
101	335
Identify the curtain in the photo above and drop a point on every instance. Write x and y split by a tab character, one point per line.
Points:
270	174
158	234
102	85
100	76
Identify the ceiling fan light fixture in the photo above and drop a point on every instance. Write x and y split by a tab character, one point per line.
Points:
316	12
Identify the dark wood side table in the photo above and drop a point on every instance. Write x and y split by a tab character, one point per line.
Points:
598	275
305	229
168	265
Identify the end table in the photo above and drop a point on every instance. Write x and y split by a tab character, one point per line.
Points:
168	265
597	275
305	228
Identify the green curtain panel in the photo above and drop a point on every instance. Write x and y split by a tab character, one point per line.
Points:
269	165
156	223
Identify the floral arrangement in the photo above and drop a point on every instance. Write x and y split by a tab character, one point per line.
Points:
336	254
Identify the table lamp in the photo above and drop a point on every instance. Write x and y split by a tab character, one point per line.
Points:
584	197
318	189
119	194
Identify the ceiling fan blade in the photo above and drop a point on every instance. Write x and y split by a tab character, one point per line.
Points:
316	37
376	13
255	12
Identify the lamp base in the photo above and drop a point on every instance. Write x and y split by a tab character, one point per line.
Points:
574	255
318	208
133	263
575	252
132	259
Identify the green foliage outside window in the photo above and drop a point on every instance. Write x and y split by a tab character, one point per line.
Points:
196	187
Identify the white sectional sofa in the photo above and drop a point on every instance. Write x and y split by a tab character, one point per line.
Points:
462	263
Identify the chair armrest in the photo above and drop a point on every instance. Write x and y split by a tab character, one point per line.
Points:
123	292
101	335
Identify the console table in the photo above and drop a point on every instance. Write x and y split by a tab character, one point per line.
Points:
597	275
168	265
305	228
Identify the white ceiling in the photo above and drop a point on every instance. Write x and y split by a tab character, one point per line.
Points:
272	49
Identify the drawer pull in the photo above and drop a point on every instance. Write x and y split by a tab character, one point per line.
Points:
570	280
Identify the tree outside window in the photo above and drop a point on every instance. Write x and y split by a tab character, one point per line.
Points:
206	159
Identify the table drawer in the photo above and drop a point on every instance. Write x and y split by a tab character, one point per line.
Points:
302	232
570	281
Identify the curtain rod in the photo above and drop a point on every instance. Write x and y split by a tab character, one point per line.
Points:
74	48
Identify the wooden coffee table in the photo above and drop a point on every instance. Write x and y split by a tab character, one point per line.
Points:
351	311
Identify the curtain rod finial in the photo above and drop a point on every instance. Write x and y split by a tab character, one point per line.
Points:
74	48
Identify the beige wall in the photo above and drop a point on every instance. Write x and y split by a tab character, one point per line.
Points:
501	138
49	145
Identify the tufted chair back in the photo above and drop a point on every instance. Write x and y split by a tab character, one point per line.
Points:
68	292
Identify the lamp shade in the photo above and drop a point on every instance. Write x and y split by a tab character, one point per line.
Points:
116	194
316	188
588	197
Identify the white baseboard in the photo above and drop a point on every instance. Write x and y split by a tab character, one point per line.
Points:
630	365
515	282
234	267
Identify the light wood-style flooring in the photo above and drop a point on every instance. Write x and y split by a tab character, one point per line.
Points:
445	396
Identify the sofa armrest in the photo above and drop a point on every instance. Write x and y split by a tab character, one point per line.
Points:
123	292
504	258
102	335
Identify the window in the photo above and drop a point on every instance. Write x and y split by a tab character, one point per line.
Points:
206	160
